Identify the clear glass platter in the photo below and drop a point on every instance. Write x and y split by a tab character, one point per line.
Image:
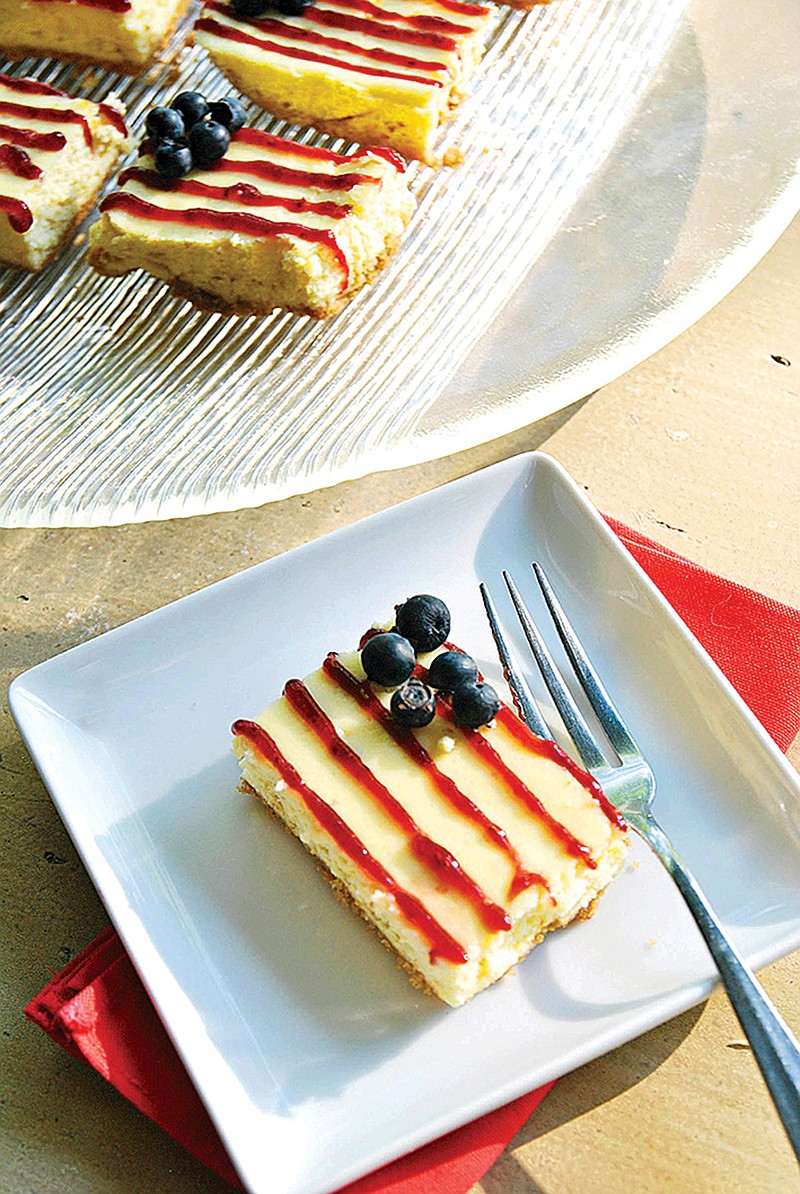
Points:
624	165
316	1057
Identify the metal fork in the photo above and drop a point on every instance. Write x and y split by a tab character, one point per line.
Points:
630	785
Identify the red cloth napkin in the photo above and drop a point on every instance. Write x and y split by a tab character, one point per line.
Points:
98	1009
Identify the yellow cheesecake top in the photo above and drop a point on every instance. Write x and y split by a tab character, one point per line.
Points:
469	830
410	45
264	186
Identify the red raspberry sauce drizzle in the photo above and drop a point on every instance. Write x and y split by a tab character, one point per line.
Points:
375	23
257	137
428	22
459	7
274	172
241	192
18	162
522	793
54	115
251	136
442	945
361	692
552	750
34	87
227	33
47	142
19	214
111	5
226	221
434	856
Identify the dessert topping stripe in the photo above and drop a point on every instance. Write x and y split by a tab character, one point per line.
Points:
553	751
419	20
48	115
30	86
378	30
111	5
361	692
225	221
274	172
379	24
521	792
241	193
18	162
47	142
423	15
257	137
34	87
433	856
19	214
228	33
273	29
442	944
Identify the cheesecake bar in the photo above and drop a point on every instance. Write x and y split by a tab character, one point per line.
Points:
375	73
272	224
122	35
56	154
461	838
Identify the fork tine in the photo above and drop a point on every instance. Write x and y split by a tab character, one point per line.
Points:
607	715
523	696
562	698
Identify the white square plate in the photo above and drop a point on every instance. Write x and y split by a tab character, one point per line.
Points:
317	1060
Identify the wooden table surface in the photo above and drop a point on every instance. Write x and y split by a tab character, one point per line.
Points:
699	447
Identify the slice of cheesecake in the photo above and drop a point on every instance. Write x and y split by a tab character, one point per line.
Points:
461	845
273	224
123	35
56	154
376	73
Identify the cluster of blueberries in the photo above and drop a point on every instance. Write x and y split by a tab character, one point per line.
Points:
192	132
259	8
422	624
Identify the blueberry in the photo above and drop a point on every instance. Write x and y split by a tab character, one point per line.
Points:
413	705
450	669
250	8
475	703
208	141
173	159
292	8
388	659
230	112
192	107
165	124
425	622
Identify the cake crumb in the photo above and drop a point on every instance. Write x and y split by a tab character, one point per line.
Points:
652	940
453	157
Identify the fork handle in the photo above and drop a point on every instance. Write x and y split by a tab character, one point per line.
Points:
774	1047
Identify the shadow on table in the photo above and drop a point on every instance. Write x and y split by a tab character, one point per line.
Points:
576	1094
